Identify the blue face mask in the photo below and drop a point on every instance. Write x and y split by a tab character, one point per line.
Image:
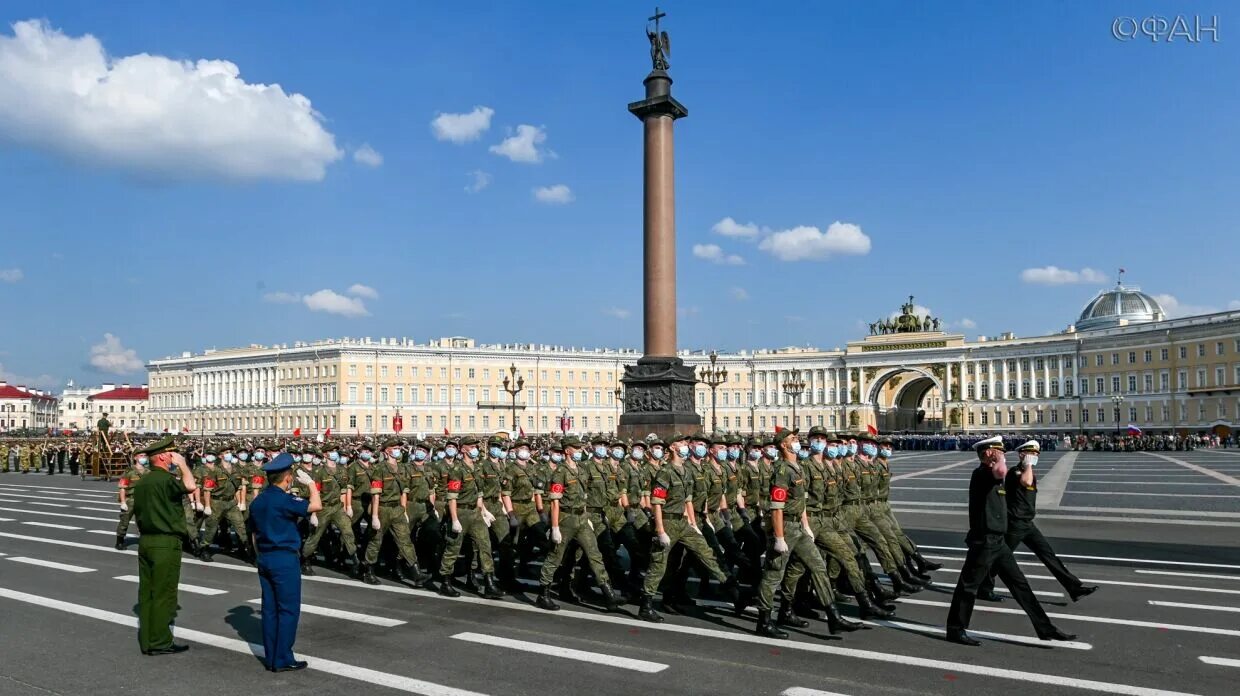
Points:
721	455
699	451
496	452
244	456
307	458
755	455
852	448
638	454
578	455
683	451
833	451
771	453
512	455
419	455
557	457
260	456
439	455
796	447
600	451
818	446
365	456
884	453
210	458
869	450
734	453
617	453
802	454
472	452
144	461
656	453
449	451
333	456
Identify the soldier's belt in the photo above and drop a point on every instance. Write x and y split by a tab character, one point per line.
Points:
674	515
522	500
574	511
596	509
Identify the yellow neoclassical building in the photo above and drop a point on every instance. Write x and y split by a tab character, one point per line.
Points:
1123	362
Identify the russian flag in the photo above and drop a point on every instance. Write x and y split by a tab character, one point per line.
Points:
1133	430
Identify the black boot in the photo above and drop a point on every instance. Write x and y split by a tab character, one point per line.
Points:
306	568
1082	591
988	594
368	575
471	582
911	567
120	542
961	638
544	600
1057	634
204	554
489	590
925	565
787	618
900	587
411	573
646	611
869	610
610	600
910	579
731	589
836	623
767	628
566	593
447	589
876	590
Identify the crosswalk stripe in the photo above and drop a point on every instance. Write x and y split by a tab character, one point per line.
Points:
1088	619
1104	558
50	564
56	505
1220	661
57	488
1203	576
362	674
1121	583
58	514
51	525
99	509
5	500
1001	637
9	494
1042	593
566	653
346	615
1185	605
802	691
192	589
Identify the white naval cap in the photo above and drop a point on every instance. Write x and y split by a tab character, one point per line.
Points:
1032	445
995	442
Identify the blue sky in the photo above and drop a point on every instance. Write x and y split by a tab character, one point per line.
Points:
863	152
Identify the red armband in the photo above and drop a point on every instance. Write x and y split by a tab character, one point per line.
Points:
257	480
454	485
557	488
376	485
208	484
660	493
124	482
779	495
318	486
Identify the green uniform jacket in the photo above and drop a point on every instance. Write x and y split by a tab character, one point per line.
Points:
157	504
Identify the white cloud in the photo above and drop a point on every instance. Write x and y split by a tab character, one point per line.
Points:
281	298
715	254
617	313
43	381
368	156
558	194
740	294
731	228
112	357
807	243
1053	275
462	128
154	114
1234	304
359	290
481	181
334	303
523	146
11	275
967	323
1174	308
918	310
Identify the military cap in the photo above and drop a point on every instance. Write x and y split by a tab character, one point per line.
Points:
867	437
784	434
884	440
733	439
617	442
280	462
163	444
391	442
819	431
522	443
599	439
653	439
292	448
836	437
1031	446
995	442
571	441
365	446
677	437
211	451
700	437
421	444
469	440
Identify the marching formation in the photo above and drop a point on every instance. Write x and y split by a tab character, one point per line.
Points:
781	522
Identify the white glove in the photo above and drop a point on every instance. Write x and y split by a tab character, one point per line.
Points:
406	517
374	523
314	519
487	517
124	507
781	546
664	540
348	512
304	478
696	528
197	506
590	525
241	505
709	524
807	531
456	526
556	536
206	510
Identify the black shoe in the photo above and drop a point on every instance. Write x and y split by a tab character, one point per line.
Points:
925	565
962	638
411	573
295	667
787	618
447	589
646	610
836	623
170	650
877	592
205	556
368	575
610	601
915	573
989	596
566	593
902	588
766	627
912	581
120	542
869	610
743	602
306	568
1057	634
544	600
489	590
1082	591
471	583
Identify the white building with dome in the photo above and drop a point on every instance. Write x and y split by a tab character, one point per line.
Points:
1122	363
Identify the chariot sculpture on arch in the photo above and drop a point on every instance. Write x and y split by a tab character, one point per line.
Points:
907	322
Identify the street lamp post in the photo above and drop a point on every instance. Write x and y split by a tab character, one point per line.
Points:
794	387
712	376
1117	400
619	393
514	384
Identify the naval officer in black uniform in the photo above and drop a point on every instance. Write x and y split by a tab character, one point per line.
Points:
988	550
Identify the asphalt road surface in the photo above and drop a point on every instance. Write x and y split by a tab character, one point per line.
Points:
1157	533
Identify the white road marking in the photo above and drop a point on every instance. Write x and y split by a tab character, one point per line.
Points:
1004	637
192	589
1229	480
5	500
940	478
95	501
566	653
52	526
1096	581
1087	619
43	488
115	509
802	691
1185	605
1141	483
58	514
1203	576
1220	661
936	469
368	676
1156	495
347	615
1076	518
57	505
50	564
1055	482
1004	590
1104	558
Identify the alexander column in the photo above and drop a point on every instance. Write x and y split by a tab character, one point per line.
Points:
659	388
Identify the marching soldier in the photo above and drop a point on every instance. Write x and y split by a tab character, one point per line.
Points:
124	490
526	530
221	491
329	482
389	489
468	516
911	552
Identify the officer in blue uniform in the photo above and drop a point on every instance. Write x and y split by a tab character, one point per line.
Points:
274	516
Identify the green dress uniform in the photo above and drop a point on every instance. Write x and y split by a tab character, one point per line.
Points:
491	474
157	505
520	487
464	487
874	480
824	504
568	486
789	492
858	490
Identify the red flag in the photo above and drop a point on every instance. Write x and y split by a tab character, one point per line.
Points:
778	428
328	433
522	430
398	423
872	430
297	432
185	429
445	432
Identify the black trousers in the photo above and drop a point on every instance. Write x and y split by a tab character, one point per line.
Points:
1027	533
984	555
